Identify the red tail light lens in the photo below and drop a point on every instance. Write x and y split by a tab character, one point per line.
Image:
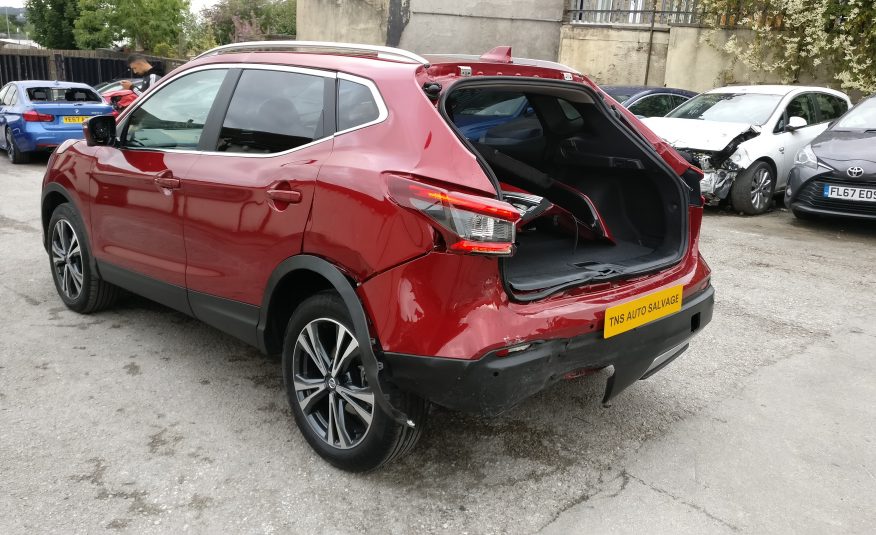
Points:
471	224
33	116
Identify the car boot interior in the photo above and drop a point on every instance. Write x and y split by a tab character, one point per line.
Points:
598	203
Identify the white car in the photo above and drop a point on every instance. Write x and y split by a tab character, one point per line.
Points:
745	138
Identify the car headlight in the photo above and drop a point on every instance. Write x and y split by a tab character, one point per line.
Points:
806	157
739	156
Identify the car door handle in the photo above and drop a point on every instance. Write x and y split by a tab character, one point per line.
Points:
165	179
284	195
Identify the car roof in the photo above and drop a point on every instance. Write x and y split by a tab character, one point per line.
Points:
780	90
60	84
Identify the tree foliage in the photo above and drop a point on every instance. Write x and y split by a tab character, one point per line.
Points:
789	37
144	24
244	20
52	22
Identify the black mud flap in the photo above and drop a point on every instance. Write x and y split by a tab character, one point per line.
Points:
628	373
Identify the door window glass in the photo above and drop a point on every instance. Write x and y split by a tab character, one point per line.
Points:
829	106
678	100
801	106
174	117
12	96
273	111
356	105
654	106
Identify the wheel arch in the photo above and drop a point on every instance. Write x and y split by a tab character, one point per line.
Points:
296	279
54	195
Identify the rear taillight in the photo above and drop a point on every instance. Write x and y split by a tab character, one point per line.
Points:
470	224
33	116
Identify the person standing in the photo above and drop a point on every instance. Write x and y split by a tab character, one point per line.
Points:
141	67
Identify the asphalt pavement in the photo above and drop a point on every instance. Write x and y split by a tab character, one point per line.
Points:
142	420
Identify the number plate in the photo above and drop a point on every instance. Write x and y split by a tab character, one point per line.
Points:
74	119
638	312
850	194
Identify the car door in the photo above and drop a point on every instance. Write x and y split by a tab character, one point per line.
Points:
248	199
137	208
3	92
788	143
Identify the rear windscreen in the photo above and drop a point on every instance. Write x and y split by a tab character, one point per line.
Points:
62	94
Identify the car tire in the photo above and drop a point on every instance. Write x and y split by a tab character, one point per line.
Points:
324	380
752	191
77	282
15	155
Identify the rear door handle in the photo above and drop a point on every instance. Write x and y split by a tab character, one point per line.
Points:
165	179
284	195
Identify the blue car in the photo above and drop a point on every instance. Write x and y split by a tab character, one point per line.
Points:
647	101
39	115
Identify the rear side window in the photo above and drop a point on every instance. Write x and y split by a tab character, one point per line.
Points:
273	111
653	106
356	105
62	94
829	106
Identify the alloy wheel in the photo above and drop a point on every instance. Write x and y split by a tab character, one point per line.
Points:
761	186
330	383
67	259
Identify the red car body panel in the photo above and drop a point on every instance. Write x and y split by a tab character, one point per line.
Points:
453	306
235	235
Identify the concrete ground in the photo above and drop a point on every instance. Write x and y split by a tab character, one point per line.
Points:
142	420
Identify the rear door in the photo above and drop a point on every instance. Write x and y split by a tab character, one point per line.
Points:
248	197
137	207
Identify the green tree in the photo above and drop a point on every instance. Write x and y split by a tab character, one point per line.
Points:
240	20
198	36
53	22
144	24
790	37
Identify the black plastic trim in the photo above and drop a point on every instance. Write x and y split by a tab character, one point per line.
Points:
161	292
240	320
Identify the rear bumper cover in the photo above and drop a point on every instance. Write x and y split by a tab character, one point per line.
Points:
493	384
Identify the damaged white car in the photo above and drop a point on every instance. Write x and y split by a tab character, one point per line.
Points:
745	138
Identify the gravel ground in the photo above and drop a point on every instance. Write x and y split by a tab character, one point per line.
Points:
142	420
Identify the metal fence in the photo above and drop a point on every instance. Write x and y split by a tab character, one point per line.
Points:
634	12
85	66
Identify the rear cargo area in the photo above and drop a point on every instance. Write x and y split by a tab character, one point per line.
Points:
597	202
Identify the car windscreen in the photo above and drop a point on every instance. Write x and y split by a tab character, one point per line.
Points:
62	94
748	108
861	117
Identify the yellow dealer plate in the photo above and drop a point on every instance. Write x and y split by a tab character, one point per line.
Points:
632	314
74	119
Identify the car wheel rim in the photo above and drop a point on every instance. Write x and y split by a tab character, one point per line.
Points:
330	384
760	188
67	259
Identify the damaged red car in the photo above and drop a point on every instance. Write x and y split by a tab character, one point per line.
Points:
318	201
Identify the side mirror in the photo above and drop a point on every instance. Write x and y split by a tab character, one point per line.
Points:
795	123
100	130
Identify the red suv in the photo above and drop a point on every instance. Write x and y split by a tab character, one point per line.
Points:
321	201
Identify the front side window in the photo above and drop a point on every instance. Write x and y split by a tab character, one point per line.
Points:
748	108
12	96
273	111
800	106
174	117
3	94
356	105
